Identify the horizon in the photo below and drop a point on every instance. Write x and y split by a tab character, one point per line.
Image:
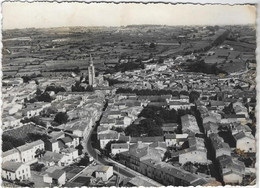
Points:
21	15
98	26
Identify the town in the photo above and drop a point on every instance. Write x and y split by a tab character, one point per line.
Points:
139	105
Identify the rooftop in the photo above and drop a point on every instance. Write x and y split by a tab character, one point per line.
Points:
11	166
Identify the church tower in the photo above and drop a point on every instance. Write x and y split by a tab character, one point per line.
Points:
91	73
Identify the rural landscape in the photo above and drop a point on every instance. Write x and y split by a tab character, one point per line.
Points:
136	105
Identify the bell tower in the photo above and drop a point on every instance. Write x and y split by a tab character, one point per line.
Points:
91	73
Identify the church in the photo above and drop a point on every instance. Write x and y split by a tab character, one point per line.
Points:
92	79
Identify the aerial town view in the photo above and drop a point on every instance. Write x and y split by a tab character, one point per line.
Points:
133	105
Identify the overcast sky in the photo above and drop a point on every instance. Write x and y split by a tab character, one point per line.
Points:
43	14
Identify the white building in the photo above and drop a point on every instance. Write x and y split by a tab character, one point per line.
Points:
15	170
28	151
11	155
245	142
119	147
104	172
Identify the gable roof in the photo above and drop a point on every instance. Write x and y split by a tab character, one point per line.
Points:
56	174
241	135
11	166
52	156
29	146
10	152
119	146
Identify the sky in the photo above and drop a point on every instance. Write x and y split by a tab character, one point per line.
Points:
44	14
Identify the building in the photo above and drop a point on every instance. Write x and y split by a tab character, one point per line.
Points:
177	105
69	140
11	155
29	150
56	178
15	170
219	146
196	153
107	137
175	139
231	170
189	124
52	145
119	147
104	172
52	159
245	142
10	122
91	73
71	154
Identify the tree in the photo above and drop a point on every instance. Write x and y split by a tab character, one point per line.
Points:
45	97
56	89
194	95
61	118
26	79
79	148
38	91
228	109
84	161
152	45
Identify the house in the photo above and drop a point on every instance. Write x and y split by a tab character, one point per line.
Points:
119	147
196	153
35	109
232	170
177	105
52	159
169	175
10	122
219	146
241	110
69	140
220	105
212	119
189	124
52	145
104	172
175	139
113	114
28	151
142	151
146	140
246	142
57	134
11	155
237	127
231	118
15	170
56	178
169	128
170	139
210	128
107	137
71	154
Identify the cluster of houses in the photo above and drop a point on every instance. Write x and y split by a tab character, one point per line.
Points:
61	148
222	107
55	153
144	153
